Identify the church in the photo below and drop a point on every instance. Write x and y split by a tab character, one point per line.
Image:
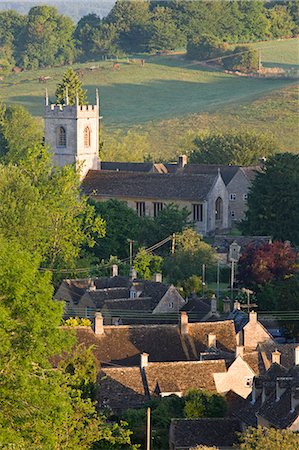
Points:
72	132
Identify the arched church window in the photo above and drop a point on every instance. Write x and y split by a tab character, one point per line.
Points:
61	137
87	137
218	209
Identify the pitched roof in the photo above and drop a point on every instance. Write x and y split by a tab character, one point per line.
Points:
255	361
123	344
182	376
279	413
222	243
148	185
199	307
187	433
101	296
127	166
287	351
74	288
227	172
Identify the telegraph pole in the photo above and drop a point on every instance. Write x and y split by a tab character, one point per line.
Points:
203	279
173	244
232	279
131	252
148	429
218	280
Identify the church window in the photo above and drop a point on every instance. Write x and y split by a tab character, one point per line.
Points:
218	209
61	137
87	137
197	210
140	208
158	206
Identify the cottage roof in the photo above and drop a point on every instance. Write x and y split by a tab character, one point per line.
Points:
199	307
187	433
222	243
100	296
123	344
148	185
127	166
227	172
279	413
73	288
287	352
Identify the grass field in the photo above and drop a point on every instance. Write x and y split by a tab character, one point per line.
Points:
169	96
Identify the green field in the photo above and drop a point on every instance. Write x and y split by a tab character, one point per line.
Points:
169	96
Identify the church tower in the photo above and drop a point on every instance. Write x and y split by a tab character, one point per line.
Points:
72	132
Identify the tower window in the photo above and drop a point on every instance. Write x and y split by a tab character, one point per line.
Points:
61	137
86	137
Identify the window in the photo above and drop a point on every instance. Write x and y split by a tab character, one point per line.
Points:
245	197
218	209
86	137
232	197
248	382
170	304
232	213
133	294
140	208
197	211
60	137
158	206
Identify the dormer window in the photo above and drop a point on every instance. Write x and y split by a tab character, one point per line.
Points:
87	136
61	137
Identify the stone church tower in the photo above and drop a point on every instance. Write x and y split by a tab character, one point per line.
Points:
72	132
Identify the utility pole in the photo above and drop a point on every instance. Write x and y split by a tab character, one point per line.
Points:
232	279
218	280
148	429
203	276
173	244
131	252
260	59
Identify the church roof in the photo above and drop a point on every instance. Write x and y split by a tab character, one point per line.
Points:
148	185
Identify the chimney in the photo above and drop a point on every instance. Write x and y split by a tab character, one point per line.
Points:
252	317
237	306
182	160
158	277
240	350
226	305
114	270
92	286
211	340
297	355
294	398
282	384
99	324
213	304
276	357
133	274
184	322
143	360
257	387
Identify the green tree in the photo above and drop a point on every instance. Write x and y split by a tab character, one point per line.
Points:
12	27
164	34
262	438
18	132
282	24
243	148
48	38
243	58
70	86
132	147
146	264
273	201
190	253
204	404
205	47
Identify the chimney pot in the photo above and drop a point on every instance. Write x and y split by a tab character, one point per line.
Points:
114	270
183	160
237	306
99	324
276	357
213	304
297	355
226	305
133	274
211	340
252	317
143	360
184	322
158	277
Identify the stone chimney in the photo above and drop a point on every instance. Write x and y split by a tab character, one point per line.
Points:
158	277
92	286
114	270
237	306
213	304
133	274
294	398
240	350
282	384
211	340
184	322
297	355
253	317
276	357
99	324
182	161
143	360
226	305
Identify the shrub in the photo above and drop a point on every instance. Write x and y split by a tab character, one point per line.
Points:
78	322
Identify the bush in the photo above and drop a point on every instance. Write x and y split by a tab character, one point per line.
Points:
205	47
243	58
78	322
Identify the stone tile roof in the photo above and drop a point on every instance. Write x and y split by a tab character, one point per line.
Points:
121	388
227	172
123	344
170	187
279	413
250	172
182	376
287	352
255	361
221	243
101	296
187	433
74	288
198	306
127	166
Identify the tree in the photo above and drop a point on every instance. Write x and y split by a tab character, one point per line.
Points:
129	147
164	34
200	403
191	252
243	58
282	24
273	201
48	38
243	148
262	438
12	27
279	295
70	87
146	264
18	132
205	47
260	265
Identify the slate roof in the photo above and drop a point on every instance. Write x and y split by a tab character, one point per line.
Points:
227	172
255	361
128	166
171	187
123	344
74	288
199	307
101	296
287	352
221	243
188	433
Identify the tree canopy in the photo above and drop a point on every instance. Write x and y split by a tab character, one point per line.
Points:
273	201
262	438
71	87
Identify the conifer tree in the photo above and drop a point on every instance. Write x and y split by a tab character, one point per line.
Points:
70	87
